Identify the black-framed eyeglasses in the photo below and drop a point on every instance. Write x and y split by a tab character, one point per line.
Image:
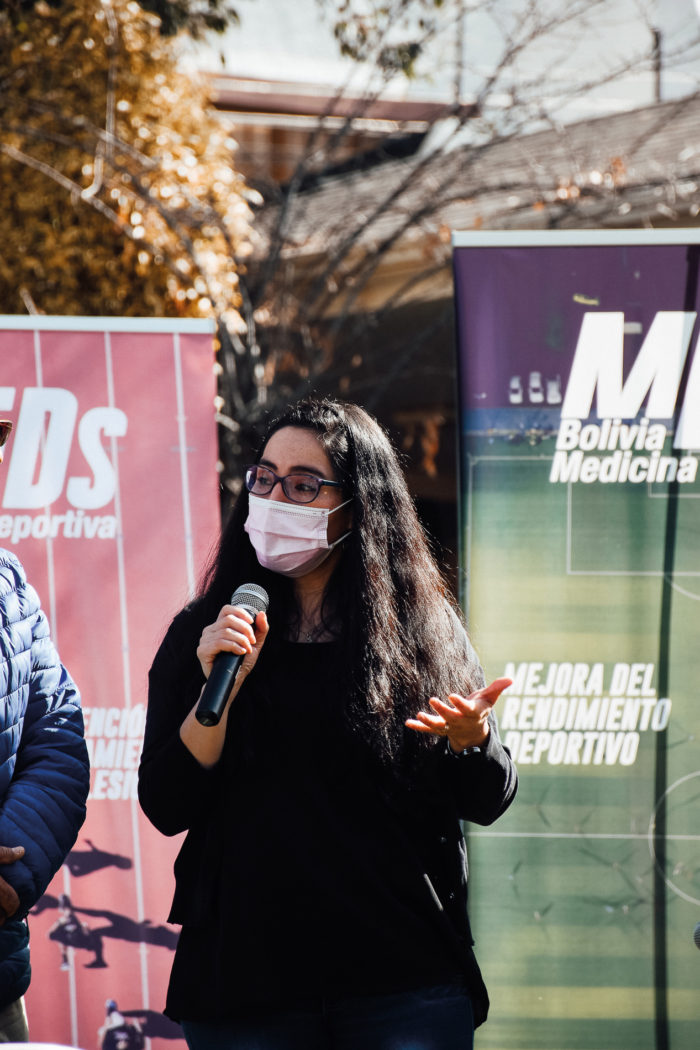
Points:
300	488
5	429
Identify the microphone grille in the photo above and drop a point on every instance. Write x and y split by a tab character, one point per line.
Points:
696	935
251	596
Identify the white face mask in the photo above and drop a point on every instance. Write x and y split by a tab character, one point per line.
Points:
289	538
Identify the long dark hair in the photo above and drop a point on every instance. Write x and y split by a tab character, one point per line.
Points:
400	635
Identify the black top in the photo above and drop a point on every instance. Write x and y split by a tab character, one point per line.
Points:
308	880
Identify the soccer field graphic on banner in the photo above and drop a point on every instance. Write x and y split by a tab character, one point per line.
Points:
580	398
109	500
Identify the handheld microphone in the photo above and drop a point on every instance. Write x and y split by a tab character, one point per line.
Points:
696	935
252	599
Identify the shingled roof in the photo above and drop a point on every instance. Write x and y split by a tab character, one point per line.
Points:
637	168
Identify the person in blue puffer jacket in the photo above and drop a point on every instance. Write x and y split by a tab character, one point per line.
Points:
44	775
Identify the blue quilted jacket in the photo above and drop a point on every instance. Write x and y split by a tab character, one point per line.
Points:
44	769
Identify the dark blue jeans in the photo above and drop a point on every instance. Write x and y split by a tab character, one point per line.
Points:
435	1018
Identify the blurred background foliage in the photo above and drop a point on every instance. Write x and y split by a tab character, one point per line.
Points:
119	192
194	16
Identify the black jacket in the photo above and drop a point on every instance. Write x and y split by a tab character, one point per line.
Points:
423	816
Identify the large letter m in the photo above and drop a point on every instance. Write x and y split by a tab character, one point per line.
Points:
655	375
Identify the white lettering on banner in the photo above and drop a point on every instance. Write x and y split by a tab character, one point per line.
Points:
114	738
657	371
655	377
565	714
73	525
611	434
7	398
41	449
114	786
80	491
44	432
622	466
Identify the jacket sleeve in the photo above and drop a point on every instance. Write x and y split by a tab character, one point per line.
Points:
43	806
174	789
482	783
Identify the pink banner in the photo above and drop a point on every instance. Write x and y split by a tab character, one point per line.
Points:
110	502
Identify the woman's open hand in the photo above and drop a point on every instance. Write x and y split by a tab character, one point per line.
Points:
464	720
233	633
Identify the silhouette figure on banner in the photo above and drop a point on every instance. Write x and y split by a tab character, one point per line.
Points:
154	1024
118	1033
71	932
84	862
123	928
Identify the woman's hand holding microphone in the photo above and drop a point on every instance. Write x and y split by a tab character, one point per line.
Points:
234	632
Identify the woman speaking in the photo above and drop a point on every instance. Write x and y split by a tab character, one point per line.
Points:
322	884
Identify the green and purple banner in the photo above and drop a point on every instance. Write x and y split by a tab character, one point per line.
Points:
580	437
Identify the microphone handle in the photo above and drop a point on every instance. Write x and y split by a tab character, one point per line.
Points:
216	691
219	684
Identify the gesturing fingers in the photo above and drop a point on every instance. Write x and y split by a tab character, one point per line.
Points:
428	722
463	719
479	699
491	692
